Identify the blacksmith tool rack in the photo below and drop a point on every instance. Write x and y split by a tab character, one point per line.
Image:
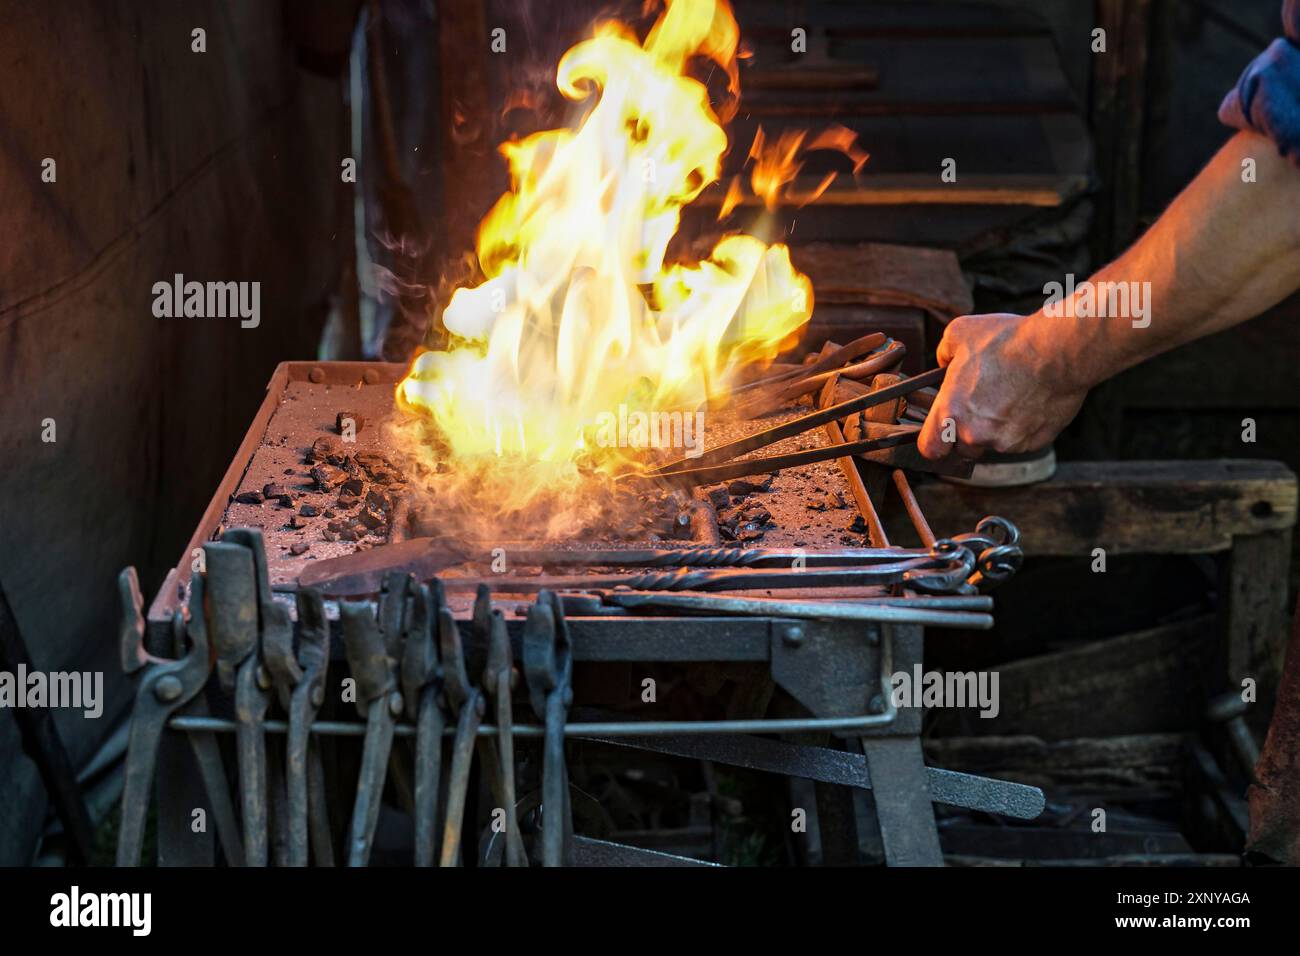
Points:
438	684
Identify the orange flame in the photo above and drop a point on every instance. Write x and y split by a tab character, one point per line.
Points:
579	313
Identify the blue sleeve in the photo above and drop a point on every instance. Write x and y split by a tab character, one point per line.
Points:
1267	97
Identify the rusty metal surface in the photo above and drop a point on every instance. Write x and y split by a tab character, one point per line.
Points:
810	507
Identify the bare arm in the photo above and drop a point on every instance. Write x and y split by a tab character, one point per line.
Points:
1224	251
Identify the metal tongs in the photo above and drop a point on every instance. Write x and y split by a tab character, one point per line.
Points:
719	464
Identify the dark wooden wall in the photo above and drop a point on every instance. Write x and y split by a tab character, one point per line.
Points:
221	165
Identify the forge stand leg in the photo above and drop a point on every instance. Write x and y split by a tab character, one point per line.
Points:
907	827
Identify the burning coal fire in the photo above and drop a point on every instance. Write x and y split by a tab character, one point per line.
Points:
579	313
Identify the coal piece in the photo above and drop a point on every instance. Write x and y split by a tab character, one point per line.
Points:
328	476
745	486
328	449
342	419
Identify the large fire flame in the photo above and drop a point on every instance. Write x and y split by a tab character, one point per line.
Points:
578	312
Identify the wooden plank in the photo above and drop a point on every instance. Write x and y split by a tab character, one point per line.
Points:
1130	840
1127	507
1042	190
903	74
1150	681
871	273
1256	619
1118	114
1139	764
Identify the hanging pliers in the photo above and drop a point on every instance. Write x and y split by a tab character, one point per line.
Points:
421	685
466	704
243	611
548	667
499	680
380	703
299	681
168	687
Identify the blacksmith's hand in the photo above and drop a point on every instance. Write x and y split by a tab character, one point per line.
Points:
1008	389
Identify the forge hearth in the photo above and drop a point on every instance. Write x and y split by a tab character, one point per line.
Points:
794	627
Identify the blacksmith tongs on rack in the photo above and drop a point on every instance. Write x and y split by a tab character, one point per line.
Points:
168	687
243	613
421	676
300	684
548	668
466	705
379	703
499	680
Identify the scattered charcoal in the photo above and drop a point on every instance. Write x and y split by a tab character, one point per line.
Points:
756	513
719	497
727	533
342	418
354	486
308	511
285	500
379	501
827	502
749	532
328	476
299	547
353	469
347	534
337	525
370	459
859	525
371	517
328	449
288	471
328	512
250	497
274	490
747	486
385	477
347	502
729	517
329	535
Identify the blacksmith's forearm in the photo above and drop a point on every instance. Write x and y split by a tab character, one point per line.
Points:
1224	251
